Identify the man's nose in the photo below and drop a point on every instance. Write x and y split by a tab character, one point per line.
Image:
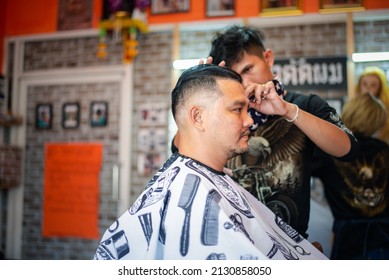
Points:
245	82
248	120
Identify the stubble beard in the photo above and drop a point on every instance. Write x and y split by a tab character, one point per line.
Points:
238	151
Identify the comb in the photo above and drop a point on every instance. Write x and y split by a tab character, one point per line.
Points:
185	202
210	226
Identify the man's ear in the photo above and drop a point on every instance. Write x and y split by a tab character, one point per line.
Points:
269	57
196	117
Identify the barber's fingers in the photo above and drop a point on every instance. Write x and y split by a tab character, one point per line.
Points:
258	92
222	63
209	60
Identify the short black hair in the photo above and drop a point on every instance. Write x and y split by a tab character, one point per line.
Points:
200	77
230	45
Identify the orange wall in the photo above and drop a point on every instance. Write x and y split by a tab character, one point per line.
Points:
22	17
2	31
40	16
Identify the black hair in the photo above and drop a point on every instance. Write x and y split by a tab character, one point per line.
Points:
230	45
202	76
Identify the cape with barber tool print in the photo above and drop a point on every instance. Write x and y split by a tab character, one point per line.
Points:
190	211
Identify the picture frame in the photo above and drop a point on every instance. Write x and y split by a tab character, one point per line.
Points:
169	6
280	7
149	162
98	115
74	14
70	115
152	139
341	6
218	8
152	113
43	115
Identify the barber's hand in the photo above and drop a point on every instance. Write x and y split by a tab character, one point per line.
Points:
209	60
264	98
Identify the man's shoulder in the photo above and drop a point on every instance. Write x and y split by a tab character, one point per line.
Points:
307	101
370	143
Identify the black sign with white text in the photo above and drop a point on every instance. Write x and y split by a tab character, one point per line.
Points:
304	74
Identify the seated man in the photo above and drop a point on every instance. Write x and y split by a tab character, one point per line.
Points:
191	209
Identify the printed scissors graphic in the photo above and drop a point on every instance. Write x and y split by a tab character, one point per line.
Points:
300	250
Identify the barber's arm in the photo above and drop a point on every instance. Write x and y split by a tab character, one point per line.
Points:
326	135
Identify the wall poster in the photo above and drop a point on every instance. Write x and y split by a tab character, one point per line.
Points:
71	190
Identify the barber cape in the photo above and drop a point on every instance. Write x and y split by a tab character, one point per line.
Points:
190	211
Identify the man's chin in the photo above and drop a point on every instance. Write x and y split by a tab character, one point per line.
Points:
239	151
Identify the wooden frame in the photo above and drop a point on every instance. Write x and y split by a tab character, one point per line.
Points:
152	113
44	115
98	113
70	115
74	14
341	6
169	6
280	8
218	8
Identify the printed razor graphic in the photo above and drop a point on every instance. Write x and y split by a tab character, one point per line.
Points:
188	193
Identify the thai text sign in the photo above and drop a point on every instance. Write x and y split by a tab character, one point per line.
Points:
304	74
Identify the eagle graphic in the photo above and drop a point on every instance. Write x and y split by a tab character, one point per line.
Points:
367	183
270	169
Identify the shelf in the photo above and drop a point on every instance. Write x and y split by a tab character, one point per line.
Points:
7	121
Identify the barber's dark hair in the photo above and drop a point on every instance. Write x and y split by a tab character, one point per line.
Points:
234	41
200	77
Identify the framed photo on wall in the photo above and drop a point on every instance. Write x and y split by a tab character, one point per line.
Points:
98	113
70	115
43	116
154	113
169	6
341	5
216	8
74	14
280	7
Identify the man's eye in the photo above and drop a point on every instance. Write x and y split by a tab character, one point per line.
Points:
246	70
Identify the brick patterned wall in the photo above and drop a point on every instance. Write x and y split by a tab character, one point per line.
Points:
68	53
371	36
152	84
307	40
10	166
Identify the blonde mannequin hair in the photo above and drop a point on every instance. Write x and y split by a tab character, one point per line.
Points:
364	115
383	95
